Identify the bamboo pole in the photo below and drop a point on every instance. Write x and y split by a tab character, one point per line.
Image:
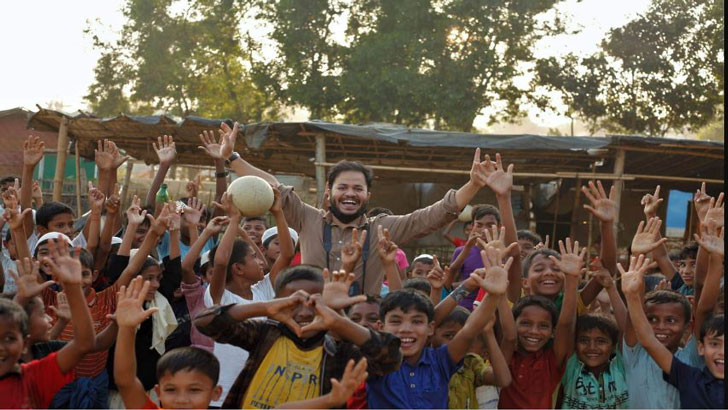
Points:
556	211
320	168
61	152
79	208
618	183
127	181
575	209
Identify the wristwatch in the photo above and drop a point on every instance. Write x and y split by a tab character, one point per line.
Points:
232	158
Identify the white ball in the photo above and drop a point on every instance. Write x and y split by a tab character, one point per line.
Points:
252	195
467	214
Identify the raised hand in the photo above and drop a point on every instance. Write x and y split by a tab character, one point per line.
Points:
33	149
174	217
651	202
118	159
192	212
646	239
336	290
496	272
62	310
130	311
663	285
11	214
495	238
37	193
134	215
633	280
165	149
227	206
193	187
63	265
276	206
478	173
216	225
351	252
113	202
228	137
27	279
572	261
353	377
498	180
542	245
602	206
325	317
715	214
162	223
212	146
602	276
283	309
701	201
437	276
386	248
96	199
711	240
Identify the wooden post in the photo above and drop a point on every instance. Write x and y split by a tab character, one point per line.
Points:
61	152
320	169
526	205
79	208
618	183
556	211
575	209
127	180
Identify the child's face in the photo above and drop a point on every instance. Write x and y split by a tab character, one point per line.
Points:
366	314
467	228
412	328
420	269
668	323
87	279
139	235
526	247
534	328
686	267
544	277
303	315
255	230
39	323
712	349
483	223
62	223
11	344
186	389
154	275
349	192
251	268
593	348
207	273
273	249
445	333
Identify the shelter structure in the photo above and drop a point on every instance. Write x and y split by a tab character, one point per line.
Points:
403	155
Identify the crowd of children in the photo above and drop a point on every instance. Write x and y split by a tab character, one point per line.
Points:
174	304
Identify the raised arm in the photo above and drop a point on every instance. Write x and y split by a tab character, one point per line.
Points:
287	250
340	392
447	230
113	203
702	203
67	269
213	228
192	212
437	277
633	286
211	146
239	165
387	251
166	152
499	375
713	244
495	285
16	222
175	221
714	216
606	281
129	315
224	248
457	264
571	265
134	217
96	201
33	150
156	230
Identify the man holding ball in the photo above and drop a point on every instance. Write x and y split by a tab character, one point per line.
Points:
323	233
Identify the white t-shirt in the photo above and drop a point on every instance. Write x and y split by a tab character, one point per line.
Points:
232	358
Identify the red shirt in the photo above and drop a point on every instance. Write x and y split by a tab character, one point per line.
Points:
458	242
535	378
150	405
358	400
296	259
35	385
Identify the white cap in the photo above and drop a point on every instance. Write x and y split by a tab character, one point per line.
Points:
51	235
205	258
271	232
135	250
425	257
115	240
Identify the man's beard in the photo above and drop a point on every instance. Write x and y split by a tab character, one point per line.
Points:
347	218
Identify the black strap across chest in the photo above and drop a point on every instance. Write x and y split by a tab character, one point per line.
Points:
356	288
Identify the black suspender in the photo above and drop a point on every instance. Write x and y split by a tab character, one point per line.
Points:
356	288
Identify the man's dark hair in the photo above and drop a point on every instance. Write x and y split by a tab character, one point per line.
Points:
689	251
239	252
48	210
532	237
540	301
86	258
191	359
659	297
298	272
345	165
482	210
15	313
458	315
528	261
407	299
606	324
378	210
713	326
7	180
419	284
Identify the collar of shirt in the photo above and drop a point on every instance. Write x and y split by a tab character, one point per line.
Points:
356	223
608	370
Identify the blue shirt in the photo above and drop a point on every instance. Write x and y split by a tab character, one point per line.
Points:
698	388
647	389
424	386
163	248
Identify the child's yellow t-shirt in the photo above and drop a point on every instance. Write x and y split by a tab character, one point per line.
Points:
286	374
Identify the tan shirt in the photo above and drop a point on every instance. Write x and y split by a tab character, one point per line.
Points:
309	223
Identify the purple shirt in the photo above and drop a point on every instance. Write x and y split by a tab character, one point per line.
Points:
472	262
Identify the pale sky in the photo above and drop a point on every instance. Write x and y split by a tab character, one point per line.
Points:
47	57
